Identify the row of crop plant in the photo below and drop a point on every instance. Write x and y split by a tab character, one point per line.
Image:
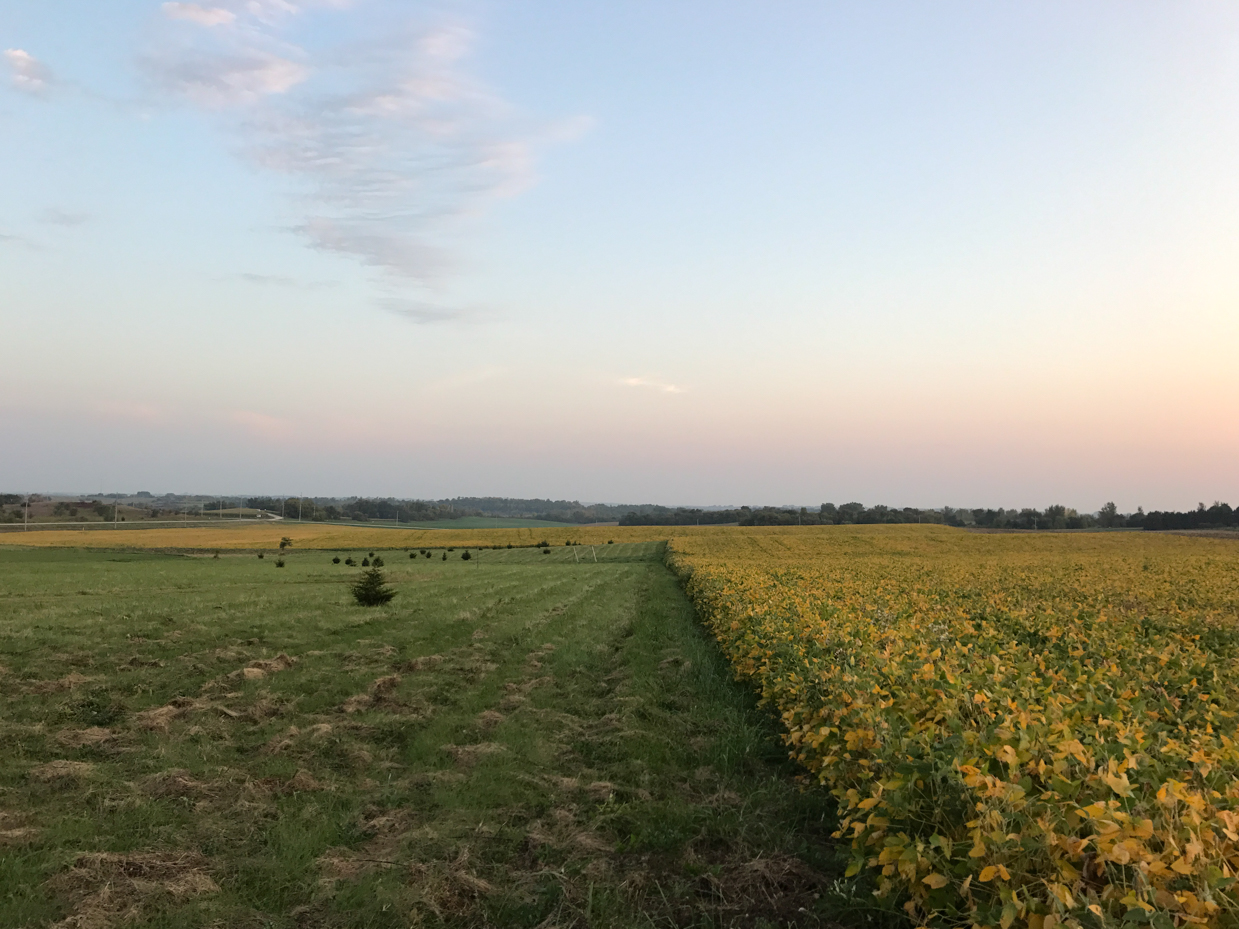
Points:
1020	730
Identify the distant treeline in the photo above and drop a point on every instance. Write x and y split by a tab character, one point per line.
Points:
826	515
363	509
1218	516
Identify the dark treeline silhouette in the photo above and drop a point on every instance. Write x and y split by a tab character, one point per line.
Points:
363	509
826	515
390	508
1218	516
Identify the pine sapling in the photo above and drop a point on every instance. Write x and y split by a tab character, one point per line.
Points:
371	589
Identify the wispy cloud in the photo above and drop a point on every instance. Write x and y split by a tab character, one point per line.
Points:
651	384
127	410
56	217
19	241
261	425
393	138
217	82
202	16
27	74
423	311
279	280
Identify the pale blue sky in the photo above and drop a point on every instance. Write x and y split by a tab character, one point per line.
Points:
962	253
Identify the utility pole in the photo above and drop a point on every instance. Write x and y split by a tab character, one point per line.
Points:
26	520
298	509
115	514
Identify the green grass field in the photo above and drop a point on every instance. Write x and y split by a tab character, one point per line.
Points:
522	739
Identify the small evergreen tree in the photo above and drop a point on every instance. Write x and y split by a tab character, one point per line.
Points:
465	556
445	556
335	560
279	562
365	562
349	561
371	589
377	561
412	555
260	555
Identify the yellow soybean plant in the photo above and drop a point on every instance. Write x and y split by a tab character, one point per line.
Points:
1021	729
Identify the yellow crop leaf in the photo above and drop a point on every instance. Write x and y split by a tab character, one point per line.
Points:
869	803
987	873
1119	784
1063	894
935	880
1095	909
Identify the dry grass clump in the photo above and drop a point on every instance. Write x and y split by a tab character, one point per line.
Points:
469	755
62	770
106	889
257	670
177	783
449	889
60	685
489	719
382	694
159	718
94	737
423	663
17	828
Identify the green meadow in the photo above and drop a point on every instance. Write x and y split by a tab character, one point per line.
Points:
520	739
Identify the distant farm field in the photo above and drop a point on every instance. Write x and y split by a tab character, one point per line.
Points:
521	739
267	535
489	522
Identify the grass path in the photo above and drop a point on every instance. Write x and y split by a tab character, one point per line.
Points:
527	742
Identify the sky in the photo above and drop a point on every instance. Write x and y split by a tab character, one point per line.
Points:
959	253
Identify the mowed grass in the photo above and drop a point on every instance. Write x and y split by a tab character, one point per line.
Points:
522	739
